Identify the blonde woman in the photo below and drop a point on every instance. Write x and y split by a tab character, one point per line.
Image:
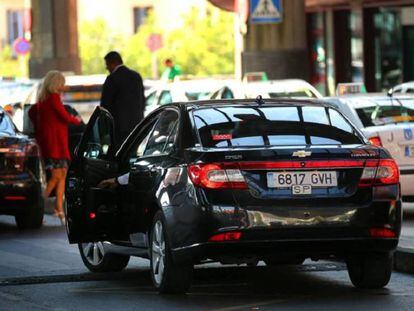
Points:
50	120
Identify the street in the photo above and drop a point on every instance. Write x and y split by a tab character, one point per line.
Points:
40	270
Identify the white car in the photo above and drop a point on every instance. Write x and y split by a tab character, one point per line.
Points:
290	88
407	87
388	122
181	91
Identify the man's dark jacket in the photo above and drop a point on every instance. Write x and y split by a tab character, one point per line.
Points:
123	96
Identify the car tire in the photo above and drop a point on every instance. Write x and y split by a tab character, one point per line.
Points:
32	217
96	259
169	277
370	271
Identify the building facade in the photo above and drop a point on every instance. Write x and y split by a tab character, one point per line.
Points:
360	41
15	21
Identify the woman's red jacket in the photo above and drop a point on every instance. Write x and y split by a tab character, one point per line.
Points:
50	120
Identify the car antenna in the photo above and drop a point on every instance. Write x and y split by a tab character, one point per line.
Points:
259	100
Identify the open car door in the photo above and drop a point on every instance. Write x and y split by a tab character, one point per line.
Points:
92	213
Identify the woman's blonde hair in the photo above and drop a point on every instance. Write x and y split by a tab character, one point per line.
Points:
51	83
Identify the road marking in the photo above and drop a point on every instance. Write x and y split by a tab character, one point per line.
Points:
251	305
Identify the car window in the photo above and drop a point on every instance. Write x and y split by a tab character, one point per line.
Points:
165	98
227	94
150	100
160	136
398	111
298	94
99	141
6	125
82	93
224	127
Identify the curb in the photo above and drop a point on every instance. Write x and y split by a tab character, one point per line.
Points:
404	260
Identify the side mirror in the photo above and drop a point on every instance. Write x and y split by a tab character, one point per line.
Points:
390	92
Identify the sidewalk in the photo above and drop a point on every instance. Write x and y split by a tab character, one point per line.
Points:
404	257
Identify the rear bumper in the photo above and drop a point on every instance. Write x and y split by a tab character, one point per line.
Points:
18	195
302	248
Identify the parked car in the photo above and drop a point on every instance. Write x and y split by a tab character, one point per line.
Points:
407	87
293	88
234	181
388	122
181	91
22	177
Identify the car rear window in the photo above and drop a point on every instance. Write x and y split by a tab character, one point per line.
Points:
398	111
82	93
244	126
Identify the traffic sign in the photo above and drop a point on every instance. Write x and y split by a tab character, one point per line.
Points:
21	46
154	42
266	11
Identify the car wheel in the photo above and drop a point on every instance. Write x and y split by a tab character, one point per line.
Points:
370	270
32	217
168	276
96	259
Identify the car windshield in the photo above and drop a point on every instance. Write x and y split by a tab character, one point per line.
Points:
241	126
390	112
6	126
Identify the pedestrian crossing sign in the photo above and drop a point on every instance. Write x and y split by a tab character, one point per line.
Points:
266	11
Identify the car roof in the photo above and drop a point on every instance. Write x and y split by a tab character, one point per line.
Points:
252	102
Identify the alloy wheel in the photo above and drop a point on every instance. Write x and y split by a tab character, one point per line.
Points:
94	252
158	252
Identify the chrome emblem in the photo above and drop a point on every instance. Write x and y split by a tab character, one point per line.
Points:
302	154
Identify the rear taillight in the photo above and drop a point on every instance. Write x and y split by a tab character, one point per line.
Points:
217	176
225	237
382	233
380	172
376	141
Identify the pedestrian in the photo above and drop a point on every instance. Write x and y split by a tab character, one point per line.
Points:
50	120
171	72
123	96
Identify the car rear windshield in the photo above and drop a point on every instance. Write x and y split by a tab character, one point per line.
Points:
390	112
250	126
82	93
297	94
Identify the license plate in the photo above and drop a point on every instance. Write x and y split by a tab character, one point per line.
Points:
312	179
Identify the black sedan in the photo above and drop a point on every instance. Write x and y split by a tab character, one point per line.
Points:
22	176
235	182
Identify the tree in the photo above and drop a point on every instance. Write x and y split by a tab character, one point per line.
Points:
95	40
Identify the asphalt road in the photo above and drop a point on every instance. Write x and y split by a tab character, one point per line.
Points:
39	270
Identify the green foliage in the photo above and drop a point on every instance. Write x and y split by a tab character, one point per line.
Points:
203	46
95	40
11	67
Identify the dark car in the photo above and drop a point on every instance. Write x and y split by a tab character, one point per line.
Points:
235	182
22	178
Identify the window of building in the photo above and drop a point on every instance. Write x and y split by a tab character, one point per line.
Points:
140	14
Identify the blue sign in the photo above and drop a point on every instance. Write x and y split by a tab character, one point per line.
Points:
408	134
266	11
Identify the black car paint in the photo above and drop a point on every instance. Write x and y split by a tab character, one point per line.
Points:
309	227
28	182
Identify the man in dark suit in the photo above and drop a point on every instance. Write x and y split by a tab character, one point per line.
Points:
123	96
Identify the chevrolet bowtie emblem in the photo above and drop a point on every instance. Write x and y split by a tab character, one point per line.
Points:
302	154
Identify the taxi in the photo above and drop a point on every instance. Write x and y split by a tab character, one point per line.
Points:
387	121
287	88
